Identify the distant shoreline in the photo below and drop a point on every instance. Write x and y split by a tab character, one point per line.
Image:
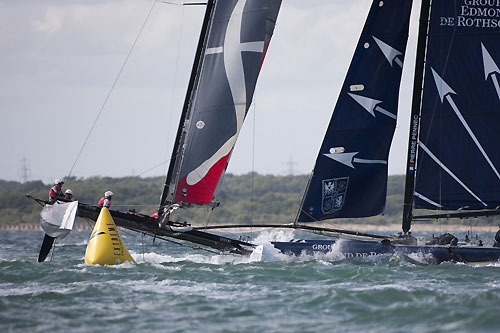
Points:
389	228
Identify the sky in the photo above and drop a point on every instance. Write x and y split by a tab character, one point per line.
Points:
66	63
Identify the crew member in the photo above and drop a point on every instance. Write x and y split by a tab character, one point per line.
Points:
56	191
497	237
466	239
68	195
105	201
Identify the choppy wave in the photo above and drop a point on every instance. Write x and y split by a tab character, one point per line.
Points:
178	289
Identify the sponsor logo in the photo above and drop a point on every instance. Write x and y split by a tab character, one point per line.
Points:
413	143
361	254
322	247
329	247
483	14
334	191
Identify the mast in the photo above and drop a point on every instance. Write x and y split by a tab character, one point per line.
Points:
185	109
415	114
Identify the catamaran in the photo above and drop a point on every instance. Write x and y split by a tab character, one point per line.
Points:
452	161
452	151
234	38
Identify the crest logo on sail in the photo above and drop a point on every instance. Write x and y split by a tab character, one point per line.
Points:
334	194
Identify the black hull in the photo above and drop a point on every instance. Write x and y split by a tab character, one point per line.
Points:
362	249
148	225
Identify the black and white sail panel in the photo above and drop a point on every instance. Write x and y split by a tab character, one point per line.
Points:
237	39
458	164
350	174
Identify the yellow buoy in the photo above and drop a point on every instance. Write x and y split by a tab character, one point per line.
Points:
105	244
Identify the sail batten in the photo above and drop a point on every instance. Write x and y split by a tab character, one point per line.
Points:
236	37
350	174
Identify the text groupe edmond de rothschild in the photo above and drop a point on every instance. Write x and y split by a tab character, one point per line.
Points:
475	13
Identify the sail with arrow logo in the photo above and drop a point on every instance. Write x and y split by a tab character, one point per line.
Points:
354	153
458	160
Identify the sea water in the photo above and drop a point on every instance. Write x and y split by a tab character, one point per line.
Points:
176	288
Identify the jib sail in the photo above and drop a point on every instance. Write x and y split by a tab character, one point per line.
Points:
350	175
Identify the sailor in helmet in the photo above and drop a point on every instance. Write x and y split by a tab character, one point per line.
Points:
68	195
56	191
106	200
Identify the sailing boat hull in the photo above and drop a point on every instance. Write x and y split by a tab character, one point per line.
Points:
148	225
363	249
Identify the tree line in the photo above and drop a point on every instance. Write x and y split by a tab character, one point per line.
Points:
249	198
245	199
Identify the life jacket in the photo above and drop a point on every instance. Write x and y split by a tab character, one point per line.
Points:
53	193
101	202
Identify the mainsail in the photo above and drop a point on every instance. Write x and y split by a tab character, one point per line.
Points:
234	39
458	164
350	174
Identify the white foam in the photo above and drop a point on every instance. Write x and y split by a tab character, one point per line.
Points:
273	235
396	286
421	258
218	259
59	243
484	264
256	255
270	253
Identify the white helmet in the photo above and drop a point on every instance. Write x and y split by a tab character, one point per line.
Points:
108	194
68	191
58	181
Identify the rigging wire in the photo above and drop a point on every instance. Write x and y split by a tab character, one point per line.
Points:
112	88
210	216
446	53
316	220
90	224
253	165
174	83
154	167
